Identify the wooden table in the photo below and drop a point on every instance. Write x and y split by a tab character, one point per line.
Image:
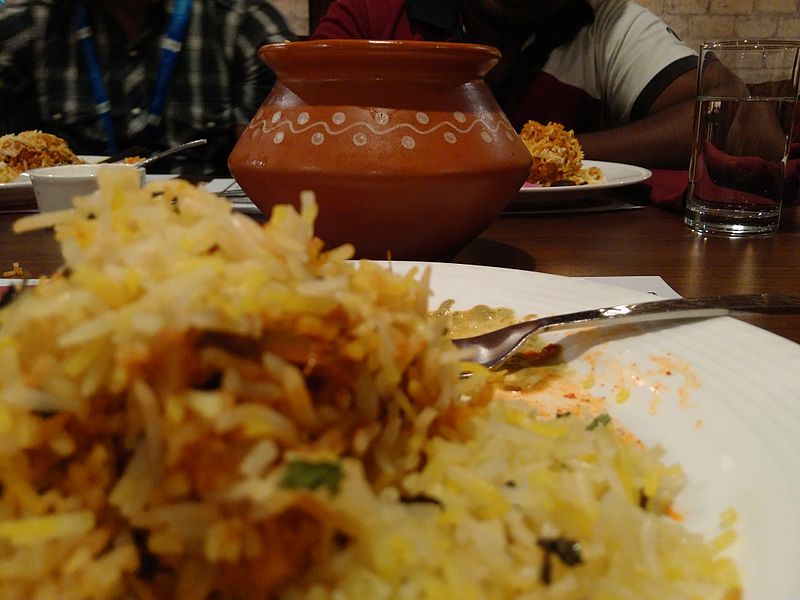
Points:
644	241
650	241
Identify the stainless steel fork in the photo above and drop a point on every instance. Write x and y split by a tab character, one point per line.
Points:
491	349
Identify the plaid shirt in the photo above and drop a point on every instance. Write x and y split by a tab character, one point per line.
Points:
218	83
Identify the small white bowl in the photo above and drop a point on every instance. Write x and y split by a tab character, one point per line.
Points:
55	187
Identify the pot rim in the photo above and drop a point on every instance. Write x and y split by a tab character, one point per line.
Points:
325	57
383	46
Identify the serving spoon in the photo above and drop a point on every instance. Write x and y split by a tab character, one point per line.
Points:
159	155
493	348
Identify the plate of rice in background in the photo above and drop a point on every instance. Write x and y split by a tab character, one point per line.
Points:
558	164
200	406
22	180
20	152
615	175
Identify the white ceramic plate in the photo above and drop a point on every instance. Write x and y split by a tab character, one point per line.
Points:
721	396
23	181
616	175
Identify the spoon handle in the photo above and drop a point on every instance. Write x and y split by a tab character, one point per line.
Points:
168	151
684	308
494	347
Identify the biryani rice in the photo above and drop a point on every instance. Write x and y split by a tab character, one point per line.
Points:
200	406
32	149
516	482
7	172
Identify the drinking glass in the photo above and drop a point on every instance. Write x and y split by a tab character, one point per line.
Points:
745	108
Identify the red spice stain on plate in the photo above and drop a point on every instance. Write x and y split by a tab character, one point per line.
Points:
672	365
661	376
563	395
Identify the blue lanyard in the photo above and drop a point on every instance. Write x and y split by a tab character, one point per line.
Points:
170	48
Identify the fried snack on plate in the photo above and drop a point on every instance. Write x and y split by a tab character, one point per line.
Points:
557	156
31	150
201	407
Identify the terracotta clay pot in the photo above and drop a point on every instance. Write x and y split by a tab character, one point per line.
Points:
403	143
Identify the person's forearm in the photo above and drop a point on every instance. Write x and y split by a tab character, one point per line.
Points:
662	140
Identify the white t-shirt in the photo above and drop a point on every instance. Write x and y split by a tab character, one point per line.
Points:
616	57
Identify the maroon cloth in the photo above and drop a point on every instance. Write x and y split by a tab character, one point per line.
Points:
361	19
667	188
529	94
